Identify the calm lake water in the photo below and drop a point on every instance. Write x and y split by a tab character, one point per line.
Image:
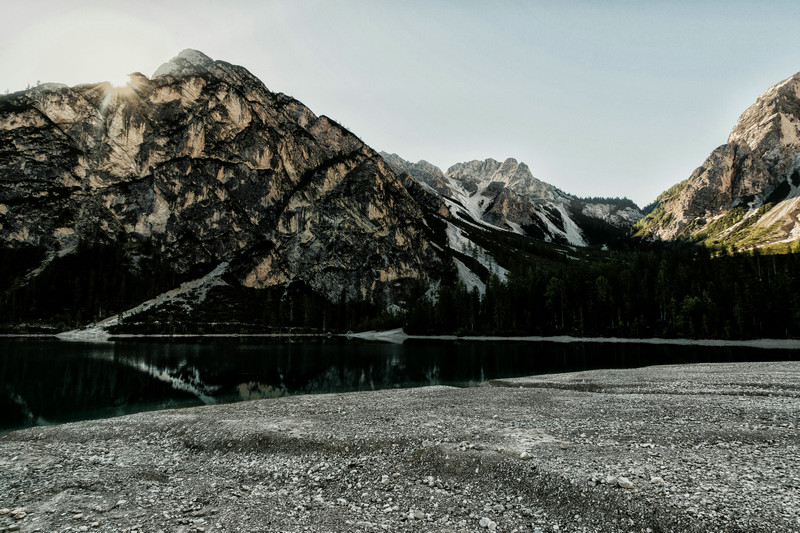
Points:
51	381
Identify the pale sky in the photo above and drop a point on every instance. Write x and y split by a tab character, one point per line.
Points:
600	98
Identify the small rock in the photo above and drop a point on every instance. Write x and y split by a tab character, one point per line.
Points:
611	480
525	456
4	511
491	525
78	516
564	446
13	527
624	483
656	480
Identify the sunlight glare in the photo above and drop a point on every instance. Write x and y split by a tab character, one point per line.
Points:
119	81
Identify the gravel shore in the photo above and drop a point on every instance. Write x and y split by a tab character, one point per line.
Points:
711	447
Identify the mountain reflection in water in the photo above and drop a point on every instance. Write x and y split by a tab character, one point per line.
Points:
51	381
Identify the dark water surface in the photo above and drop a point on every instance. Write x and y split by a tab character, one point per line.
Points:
45	381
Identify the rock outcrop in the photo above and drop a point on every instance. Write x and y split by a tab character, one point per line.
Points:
746	193
207	165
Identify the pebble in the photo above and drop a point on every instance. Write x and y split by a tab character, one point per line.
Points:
656	480
4	511
624	483
491	525
525	456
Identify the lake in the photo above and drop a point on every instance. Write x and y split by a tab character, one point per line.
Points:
48	381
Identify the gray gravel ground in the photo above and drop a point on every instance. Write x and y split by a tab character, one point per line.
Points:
671	448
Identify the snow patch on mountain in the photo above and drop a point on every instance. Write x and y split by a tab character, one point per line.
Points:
571	232
473	205
469	278
198	289
459	241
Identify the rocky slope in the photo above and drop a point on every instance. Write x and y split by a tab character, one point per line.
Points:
747	193
207	167
507	196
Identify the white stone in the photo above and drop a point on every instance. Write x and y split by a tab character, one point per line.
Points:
624	483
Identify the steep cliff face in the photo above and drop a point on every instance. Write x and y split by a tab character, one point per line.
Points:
746	193
507	196
208	166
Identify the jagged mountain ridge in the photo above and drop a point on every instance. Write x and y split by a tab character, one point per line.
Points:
747	192
209	167
507	196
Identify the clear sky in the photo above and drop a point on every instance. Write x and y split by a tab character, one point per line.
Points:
600	98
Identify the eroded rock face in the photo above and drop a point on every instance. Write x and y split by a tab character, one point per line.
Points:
425	173
752	173
203	161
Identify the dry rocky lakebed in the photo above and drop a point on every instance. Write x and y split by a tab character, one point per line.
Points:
708	447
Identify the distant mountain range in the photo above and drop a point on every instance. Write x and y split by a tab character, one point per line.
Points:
507	196
198	187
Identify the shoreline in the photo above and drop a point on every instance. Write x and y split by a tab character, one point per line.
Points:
396	336
678	448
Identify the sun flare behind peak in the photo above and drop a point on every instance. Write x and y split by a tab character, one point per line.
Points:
121	80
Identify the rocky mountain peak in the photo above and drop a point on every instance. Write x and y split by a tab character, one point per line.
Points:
727	201
516	176
187	62
424	172
207	167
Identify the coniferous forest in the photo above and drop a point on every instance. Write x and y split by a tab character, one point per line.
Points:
647	291
636	290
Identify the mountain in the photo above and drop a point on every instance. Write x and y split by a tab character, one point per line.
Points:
198	170
198	201
747	193
507	196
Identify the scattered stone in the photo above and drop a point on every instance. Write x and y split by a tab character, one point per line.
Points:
525	456
4	511
301	484
491	525
78	516
624	482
